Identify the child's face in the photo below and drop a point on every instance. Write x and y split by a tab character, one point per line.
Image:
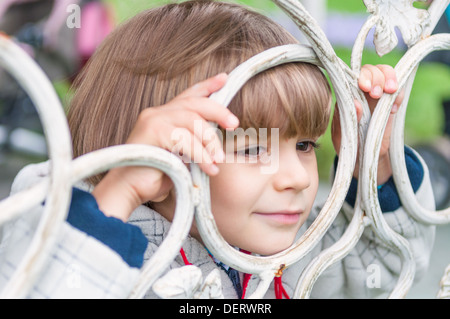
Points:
262	211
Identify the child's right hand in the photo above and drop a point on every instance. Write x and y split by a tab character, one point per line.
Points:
123	189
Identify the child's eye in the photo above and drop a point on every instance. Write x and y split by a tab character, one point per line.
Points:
306	146
252	151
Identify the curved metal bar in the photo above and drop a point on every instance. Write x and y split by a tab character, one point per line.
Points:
329	256
56	189
358	46
368	176
30	76
141	155
407	66
204	218
444	290
14	205
144	155
205	221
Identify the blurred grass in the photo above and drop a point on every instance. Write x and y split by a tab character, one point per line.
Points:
351	6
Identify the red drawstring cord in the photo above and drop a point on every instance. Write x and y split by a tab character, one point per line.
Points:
183	255
279	289
245	284
246	277
278	284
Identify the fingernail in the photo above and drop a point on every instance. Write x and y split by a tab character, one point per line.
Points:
219	156
232	121
221	75
394	108
377	91
213	169
391	85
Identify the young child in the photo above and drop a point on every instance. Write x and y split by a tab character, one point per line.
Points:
152	77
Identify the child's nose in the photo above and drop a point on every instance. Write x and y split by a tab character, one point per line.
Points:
292	173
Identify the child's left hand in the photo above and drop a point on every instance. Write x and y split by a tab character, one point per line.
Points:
374	81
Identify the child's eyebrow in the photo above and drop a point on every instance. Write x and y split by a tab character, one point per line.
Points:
307	137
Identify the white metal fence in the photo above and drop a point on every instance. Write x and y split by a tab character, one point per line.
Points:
416	26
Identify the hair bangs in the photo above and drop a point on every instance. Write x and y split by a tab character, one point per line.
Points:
293	97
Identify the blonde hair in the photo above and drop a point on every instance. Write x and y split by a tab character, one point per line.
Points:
159	53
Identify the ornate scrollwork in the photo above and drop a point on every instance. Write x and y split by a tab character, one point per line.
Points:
391	14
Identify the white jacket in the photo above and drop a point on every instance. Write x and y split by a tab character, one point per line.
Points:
83	267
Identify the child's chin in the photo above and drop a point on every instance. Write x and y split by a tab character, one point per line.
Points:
273	249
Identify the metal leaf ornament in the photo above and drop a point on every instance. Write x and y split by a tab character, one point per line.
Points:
402	14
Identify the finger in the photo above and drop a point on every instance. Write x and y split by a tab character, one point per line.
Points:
391	84
372	74
398	101
165	126
205	88
213	144
164	190
211	111
365	79
206	133
201	156
191	150
359	110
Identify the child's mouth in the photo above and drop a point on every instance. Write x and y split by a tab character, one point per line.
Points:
281	217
